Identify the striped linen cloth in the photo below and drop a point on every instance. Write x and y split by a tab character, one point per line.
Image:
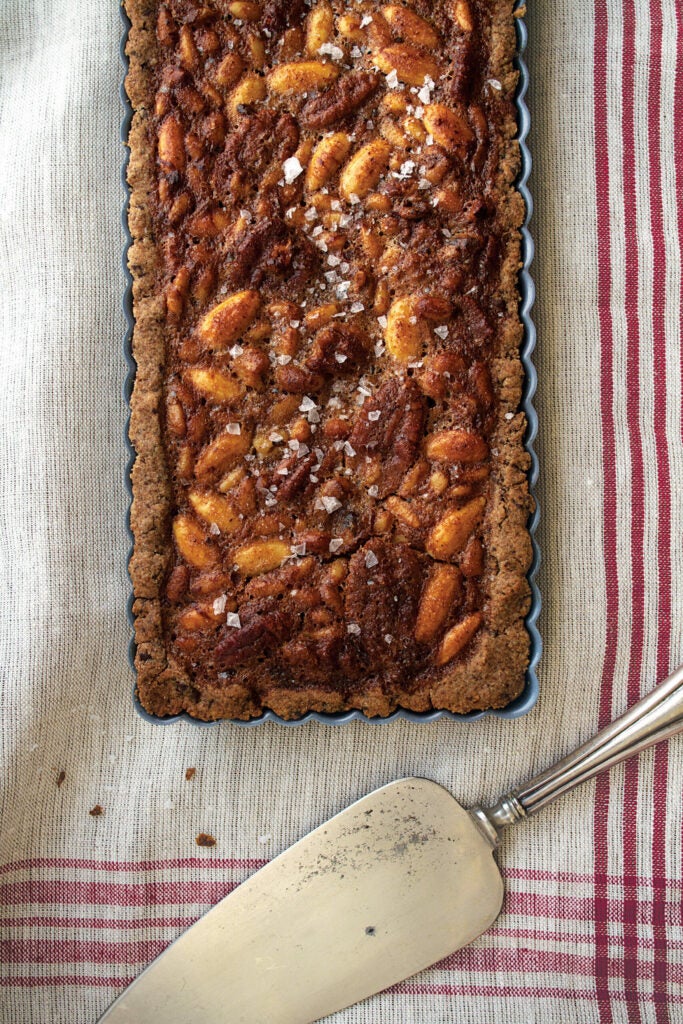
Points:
592	926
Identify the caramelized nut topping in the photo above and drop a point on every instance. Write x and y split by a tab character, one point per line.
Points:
335	232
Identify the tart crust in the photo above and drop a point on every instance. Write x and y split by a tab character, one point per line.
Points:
490	670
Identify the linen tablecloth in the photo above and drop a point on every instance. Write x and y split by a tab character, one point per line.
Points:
592	923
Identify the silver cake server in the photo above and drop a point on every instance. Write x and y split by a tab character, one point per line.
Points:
389	886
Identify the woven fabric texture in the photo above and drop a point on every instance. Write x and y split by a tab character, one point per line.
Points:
592	927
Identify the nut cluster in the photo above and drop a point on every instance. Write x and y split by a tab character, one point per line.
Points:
331	254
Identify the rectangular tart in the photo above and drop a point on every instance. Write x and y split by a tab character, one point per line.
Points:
330	496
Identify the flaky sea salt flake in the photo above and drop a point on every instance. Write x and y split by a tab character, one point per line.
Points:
330	50
292	168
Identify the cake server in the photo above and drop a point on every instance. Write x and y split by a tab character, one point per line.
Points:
389	886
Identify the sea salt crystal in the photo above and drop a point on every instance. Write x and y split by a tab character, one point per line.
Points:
388	638
374	415
215	529
441	332
366	20
349	449
283	359
330	504
336	544
495	84
236	350
330	50
307	404
233	619
356	307
299	549
234	428
340	357
392	82
219	604
292	169
373	491
353	628
371	560
382	321
354	199
509	415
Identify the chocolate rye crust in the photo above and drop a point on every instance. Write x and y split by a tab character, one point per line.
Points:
330	496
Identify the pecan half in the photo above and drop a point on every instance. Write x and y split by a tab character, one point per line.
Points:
394	438
338	348
263	626
340	100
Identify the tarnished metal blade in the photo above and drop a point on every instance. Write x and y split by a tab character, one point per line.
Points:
389	886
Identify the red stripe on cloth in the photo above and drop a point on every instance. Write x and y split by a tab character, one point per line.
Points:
229	863
510	991
678	155
87	923
79	951
661	762
63	980
117	894
602	790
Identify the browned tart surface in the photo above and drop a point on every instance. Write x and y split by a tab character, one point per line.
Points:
330	495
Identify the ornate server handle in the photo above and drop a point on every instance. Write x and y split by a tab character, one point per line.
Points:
653	719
